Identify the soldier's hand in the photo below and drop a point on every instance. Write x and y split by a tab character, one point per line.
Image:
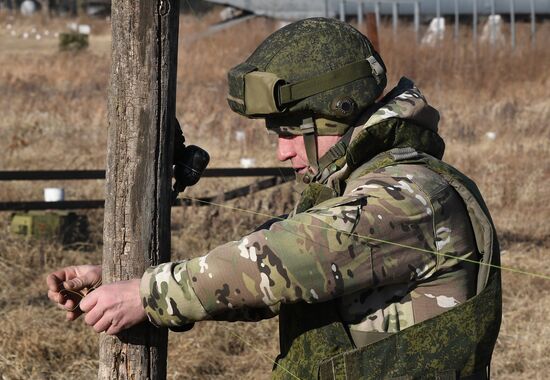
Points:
64	286
114	307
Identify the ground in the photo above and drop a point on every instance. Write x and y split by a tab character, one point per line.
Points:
495	111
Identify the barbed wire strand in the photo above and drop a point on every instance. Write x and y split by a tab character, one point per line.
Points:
505	268
232	208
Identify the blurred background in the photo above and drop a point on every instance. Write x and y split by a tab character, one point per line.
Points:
485	65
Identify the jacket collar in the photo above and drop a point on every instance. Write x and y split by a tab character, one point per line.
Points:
402	119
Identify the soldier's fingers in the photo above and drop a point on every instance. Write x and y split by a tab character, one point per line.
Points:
55	279
53	295
71	304
87	280
89	302
114	328
56	297
72	315
74	284
93	316
103	324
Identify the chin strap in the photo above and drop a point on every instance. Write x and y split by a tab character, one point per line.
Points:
326	165
310	141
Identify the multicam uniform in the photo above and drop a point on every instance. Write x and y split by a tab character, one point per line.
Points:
389	250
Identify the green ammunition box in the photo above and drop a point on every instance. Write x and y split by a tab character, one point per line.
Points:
66	227
73	41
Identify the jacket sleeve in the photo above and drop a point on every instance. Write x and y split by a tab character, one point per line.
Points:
348	243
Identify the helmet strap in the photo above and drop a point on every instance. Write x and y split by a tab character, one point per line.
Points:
310	141
320	165
328	163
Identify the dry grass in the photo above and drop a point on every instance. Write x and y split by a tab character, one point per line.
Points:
54	116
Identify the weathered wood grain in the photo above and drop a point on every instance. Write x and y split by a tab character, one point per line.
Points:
137	207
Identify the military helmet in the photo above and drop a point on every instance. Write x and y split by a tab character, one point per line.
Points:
315	73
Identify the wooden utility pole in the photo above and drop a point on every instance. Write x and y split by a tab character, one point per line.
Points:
140	146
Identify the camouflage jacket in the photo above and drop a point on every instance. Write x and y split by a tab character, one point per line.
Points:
388	248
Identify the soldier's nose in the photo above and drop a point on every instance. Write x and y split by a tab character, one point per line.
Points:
285	149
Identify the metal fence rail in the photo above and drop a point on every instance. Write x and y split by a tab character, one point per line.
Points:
61	205
278	176
67	175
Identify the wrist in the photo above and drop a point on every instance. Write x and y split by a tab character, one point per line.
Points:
167	296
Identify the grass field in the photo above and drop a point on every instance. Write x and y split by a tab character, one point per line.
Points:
54	116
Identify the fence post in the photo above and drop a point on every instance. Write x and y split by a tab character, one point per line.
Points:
395	16
360	13
474	23
137	208
533	21
493	31
513	23
417	20
439	29
377	15
342	10
457	20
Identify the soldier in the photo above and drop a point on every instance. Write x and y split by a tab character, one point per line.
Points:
386	266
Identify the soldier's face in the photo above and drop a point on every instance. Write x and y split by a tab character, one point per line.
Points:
293	148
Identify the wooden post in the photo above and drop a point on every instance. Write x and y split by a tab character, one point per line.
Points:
140	145
395	17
